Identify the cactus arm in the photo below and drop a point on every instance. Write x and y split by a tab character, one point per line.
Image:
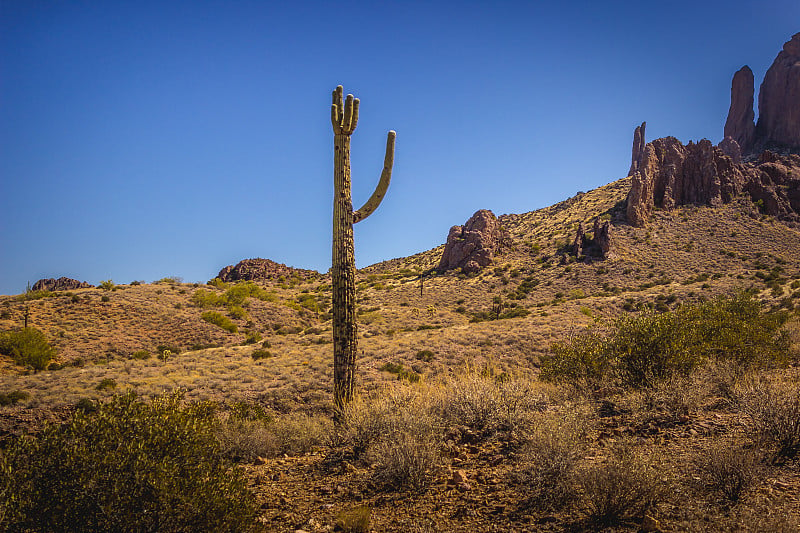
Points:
337	128
380	191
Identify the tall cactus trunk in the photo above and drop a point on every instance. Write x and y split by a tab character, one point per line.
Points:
344	117
344	277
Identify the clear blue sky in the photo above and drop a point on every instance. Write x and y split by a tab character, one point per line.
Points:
146	139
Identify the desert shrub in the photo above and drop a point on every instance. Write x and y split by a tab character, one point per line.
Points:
206	298
107	383
622	488
237	312
260	354
487	403
105	298
128	466
546	473
773	407
252	337
425	355
405	461
401	372
643	349
396	408
10	398
220	320
107	285
248	438
729	469
27	346
355	520
582	359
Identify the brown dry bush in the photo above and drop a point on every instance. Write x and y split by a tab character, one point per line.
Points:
621	489
487	404
405	460
773	407
729	469
247	439
547	472
394	430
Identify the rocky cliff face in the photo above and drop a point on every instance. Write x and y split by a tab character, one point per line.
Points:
672	174
60	284
473	245
778	104
261	270
779	98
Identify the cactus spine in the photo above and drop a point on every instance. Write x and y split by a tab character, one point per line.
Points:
344	117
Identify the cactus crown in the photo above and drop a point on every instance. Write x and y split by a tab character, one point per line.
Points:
344	112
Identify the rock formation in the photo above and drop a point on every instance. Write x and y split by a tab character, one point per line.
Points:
261	270
740	125
60	284
778	105
672	174
602	237
580	241
732	149
473	245
599	245
779	98
638	148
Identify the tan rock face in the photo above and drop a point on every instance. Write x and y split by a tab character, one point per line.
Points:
740	125
779	98
473	245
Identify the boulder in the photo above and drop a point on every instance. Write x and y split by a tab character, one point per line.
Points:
473	245
60	284
261	270
740	125
779	99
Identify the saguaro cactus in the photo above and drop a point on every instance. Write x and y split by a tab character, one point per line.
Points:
344	117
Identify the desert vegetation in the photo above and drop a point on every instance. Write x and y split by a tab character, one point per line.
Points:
654	391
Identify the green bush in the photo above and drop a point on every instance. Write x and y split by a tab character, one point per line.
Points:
206	298
27	346
220	320
129	466
642	349
107	285
260	354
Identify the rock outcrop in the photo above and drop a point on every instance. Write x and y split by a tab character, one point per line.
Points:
637	152
740	125
598	246
702	174
732	149
60	284
778	125
779	98
473	245
261	270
